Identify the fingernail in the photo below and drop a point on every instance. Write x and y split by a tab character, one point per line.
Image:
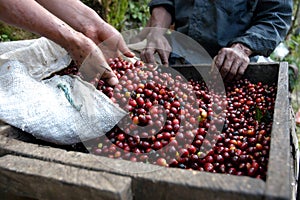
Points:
130	54
113	81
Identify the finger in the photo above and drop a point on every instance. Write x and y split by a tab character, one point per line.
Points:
142	56
214	62
88	72
129	54
219	59
124	49
233	70
164	56
94	66
112	81
91	72
109	77
226	67
148	55
241	71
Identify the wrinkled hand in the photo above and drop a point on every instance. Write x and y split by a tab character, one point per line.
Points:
109	40
91	60
233	61
156	43
91	71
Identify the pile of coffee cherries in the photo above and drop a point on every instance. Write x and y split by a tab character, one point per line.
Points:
181	123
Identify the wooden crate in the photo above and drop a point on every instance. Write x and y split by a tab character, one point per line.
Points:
145	181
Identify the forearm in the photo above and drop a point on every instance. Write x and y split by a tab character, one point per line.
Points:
269	26
29	15
75	13
160	18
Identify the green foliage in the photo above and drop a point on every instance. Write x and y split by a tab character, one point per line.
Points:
10	33
4	38
293	44
260	117
125	15
137	14
115	11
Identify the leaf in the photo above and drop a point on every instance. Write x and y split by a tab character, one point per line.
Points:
258	115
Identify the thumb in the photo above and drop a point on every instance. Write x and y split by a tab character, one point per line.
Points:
125	50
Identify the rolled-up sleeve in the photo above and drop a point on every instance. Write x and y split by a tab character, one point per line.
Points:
270	24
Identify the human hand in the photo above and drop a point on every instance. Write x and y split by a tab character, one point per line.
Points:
233	61
85	20
109	40
91	61
156	43
93	72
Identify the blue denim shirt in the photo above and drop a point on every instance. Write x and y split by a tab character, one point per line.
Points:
259	24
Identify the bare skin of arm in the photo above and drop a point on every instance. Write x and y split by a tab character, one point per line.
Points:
86	20
157	43
31	16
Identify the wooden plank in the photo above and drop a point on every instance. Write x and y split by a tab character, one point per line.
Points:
173	183
278	185
147	178
38	179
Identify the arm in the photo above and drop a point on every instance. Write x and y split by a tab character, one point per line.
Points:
74	13
269	26
160	20
31	16
87	21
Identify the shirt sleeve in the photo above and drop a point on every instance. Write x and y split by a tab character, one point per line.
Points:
270	24
167	4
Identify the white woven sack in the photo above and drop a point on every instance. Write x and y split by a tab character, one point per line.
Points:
41	56
63	109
